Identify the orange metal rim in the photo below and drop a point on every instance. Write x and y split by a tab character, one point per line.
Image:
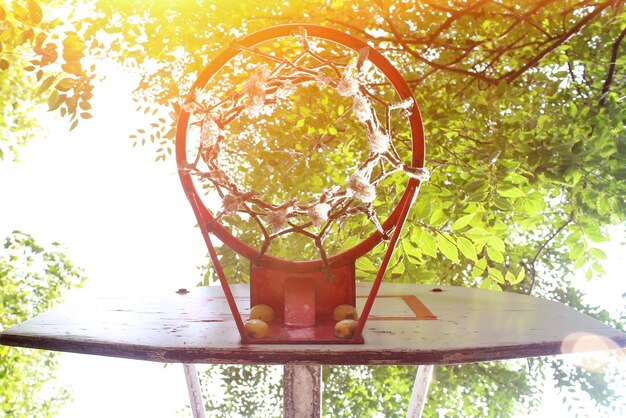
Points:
394	77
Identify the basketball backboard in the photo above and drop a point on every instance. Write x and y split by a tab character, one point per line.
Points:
409	324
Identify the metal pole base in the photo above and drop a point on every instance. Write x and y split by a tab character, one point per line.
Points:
195	392
420	391
302	391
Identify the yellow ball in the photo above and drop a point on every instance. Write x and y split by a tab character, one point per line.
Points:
262	312
345	328
255	328
342	312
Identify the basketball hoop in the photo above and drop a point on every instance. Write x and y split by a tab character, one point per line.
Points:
264	73
306	301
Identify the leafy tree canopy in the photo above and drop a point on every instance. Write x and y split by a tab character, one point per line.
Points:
524	115
32	279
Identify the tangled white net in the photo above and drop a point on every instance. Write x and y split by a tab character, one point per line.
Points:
269	85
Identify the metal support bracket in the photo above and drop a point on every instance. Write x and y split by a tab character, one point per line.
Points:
302	391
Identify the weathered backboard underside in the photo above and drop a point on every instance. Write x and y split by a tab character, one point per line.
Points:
410	324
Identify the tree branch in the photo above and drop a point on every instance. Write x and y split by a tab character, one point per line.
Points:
420	58
558	41
573	76
526	16
611	71
456	15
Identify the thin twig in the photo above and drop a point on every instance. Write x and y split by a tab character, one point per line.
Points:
543	247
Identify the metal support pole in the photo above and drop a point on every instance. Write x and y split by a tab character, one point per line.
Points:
420	391
302	391
195	392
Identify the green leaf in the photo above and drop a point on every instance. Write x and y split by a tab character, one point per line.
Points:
467	248
503	204
509	277
573	175
425	276
364	263
45	85
530	207
73	68
520	277
489	284
511	192
73	47
447	247
66	84
398	269
576	250
410	249
87	106
597	253
598	267
462	221
496	275
429	245
54	101
422	209
495	255
496	242
438	217
478	234
21	13
305	111
316	180
479	267
34	11
580	261
595	235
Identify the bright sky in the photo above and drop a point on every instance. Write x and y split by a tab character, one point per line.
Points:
125	220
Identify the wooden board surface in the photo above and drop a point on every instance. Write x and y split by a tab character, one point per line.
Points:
470	325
